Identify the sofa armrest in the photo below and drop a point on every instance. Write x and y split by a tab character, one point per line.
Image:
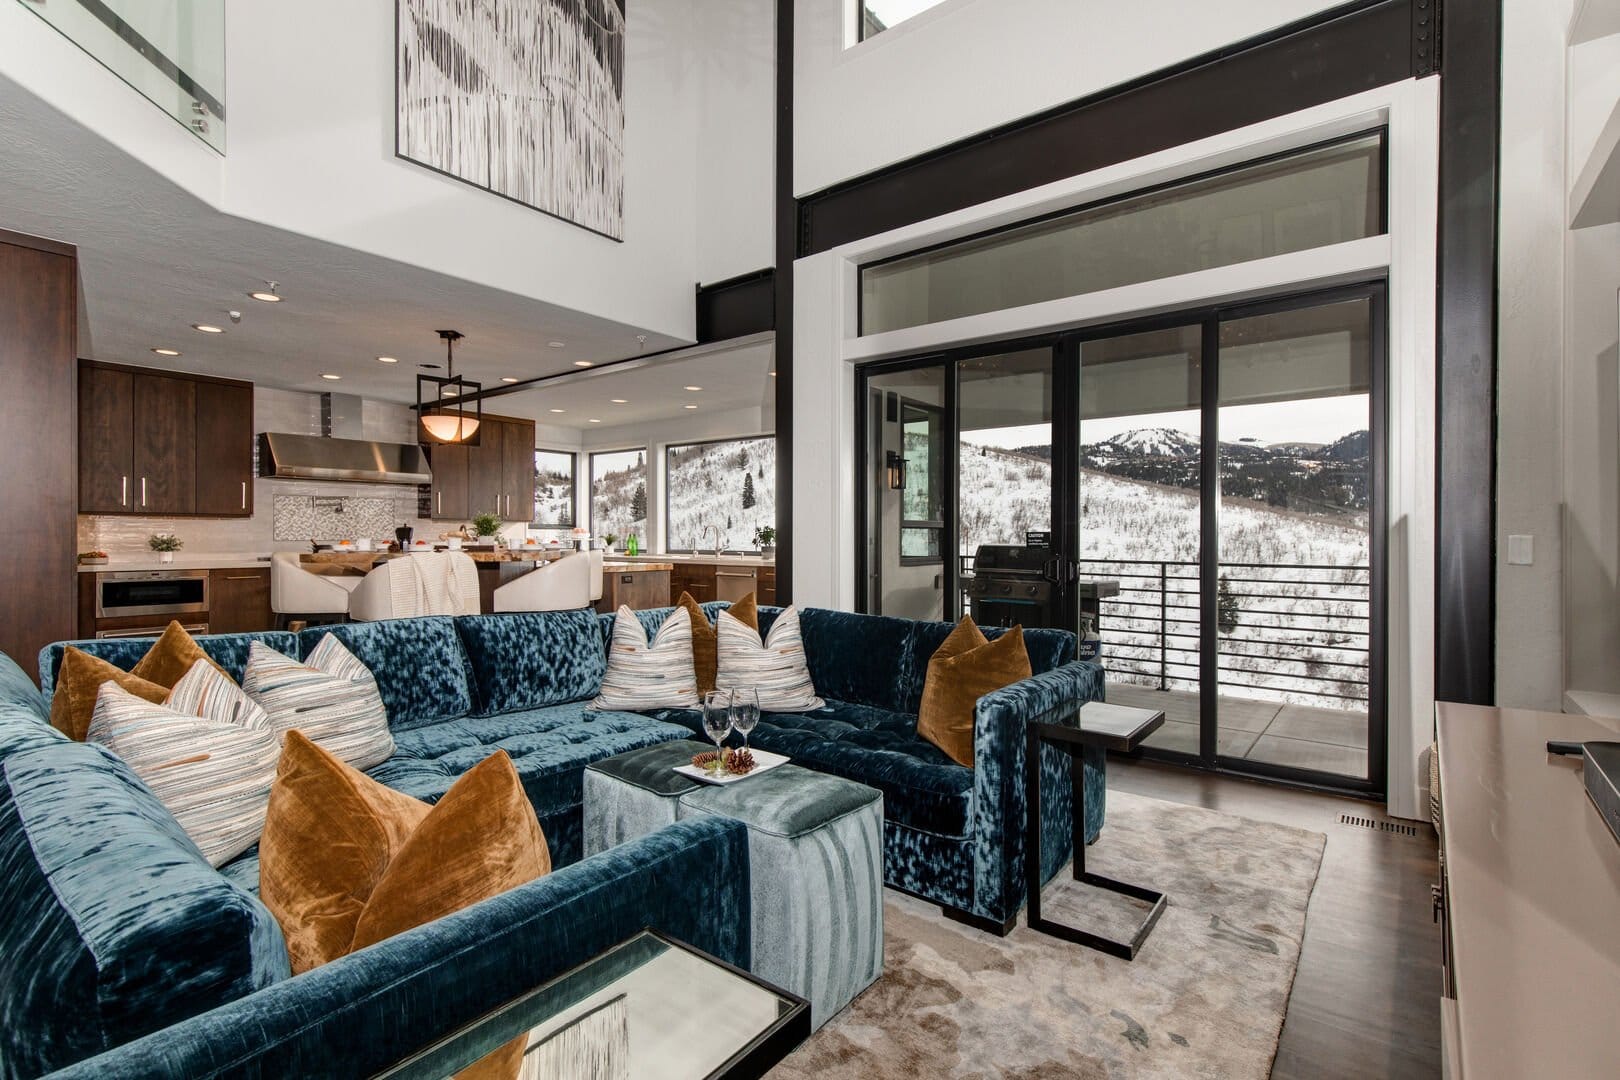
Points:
363	1012
1000	727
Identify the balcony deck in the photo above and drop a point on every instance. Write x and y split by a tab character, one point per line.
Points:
1301	736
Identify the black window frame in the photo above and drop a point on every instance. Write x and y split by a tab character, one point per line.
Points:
590	479
573	488
668	447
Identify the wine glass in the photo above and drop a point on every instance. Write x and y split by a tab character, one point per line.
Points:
744	712
717	724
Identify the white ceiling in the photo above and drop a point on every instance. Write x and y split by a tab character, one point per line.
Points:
154	260
730	375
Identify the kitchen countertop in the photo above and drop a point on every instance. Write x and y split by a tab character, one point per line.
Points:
182	561
640	566
700	558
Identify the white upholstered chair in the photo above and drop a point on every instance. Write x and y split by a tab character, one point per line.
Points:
441	583
597	584
560	585
295	593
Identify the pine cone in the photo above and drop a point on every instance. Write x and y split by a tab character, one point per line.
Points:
739	761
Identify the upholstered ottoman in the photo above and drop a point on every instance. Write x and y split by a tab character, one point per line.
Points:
815	864
630	795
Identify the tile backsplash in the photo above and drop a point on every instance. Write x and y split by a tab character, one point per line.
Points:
302	517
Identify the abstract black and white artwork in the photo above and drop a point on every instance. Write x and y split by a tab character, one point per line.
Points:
524	98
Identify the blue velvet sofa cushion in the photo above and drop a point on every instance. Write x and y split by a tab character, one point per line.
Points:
533	659
550	748
365	1011
420	666
24	712
229	651
112	924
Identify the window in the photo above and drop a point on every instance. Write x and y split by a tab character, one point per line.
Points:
728	484
553	489
1325	195
922	482
878	15
619	494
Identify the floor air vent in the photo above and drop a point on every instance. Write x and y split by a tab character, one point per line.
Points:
1396	827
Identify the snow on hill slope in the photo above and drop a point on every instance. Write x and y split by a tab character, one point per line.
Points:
707	485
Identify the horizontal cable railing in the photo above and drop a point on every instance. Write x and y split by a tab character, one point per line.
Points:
1293	632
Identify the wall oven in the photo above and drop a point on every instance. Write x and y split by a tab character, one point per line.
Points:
168	593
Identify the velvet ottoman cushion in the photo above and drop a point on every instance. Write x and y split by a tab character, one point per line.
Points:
420	667
110	932
529	660
635	793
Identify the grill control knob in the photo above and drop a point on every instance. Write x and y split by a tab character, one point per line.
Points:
1006	590
1032	590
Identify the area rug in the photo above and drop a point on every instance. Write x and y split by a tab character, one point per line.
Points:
1205	997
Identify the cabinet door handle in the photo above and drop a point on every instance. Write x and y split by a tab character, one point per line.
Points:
440	506
143	491
244	494
241	577
730	573
123	491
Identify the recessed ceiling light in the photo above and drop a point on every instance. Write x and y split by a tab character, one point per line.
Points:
594	420
451	391
167	352
387	359
556	410
691	406
507	379
267	296
334	378
694	389
773	374
206	329
556	344
582	363
619	401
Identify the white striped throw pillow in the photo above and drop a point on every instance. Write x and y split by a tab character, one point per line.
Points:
776	667
208	754
331	697
643	676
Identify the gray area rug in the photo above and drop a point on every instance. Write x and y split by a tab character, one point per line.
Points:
1205	997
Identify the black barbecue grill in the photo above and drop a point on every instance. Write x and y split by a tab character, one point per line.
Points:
1016	584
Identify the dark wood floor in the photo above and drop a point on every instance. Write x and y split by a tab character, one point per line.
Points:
1366	1000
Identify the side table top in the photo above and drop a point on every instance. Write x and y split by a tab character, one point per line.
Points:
1097	723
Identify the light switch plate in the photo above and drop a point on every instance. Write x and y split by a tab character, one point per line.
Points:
1521	550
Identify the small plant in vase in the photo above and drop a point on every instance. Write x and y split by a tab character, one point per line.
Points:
165	544
608	540
487	526
765	540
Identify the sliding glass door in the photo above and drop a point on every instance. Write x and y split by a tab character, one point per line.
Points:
1210	485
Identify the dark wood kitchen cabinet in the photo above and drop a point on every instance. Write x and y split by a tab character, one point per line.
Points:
225	449
494	477
239	601
164	444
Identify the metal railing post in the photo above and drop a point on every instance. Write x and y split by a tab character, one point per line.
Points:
1164	628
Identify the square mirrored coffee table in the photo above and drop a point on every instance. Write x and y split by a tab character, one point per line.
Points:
649	1008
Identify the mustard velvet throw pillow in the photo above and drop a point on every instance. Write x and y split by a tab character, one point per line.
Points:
704	640
346	861
964	668
79	680
167	661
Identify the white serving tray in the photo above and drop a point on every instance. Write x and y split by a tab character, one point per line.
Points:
764	761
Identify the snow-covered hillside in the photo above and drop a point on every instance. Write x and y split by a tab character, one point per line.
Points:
1304	630
731	485
619	502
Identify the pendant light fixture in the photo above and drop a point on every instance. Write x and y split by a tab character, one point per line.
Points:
455	422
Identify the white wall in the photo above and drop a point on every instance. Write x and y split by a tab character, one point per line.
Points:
736	137
970	65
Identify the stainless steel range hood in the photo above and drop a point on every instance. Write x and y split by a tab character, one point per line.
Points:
283	456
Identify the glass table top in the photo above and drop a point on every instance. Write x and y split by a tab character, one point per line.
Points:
649	1007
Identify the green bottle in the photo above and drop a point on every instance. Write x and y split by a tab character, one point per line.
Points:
634	546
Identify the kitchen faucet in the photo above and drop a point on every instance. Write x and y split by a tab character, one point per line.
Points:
716	530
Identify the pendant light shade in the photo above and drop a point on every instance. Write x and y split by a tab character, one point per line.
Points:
438	423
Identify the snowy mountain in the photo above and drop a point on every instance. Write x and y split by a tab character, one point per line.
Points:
731	485
1148	442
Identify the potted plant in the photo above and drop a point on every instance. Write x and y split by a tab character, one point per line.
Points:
487	526
608	540
165	544
765	540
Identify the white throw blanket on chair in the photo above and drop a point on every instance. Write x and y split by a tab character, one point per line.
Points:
441	583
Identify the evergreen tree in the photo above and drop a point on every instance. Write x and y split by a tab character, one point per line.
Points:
1226	607
638	504
748	492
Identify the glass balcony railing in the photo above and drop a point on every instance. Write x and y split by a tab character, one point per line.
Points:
170	51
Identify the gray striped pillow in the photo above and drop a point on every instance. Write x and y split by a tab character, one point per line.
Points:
208	753
331	697
776	667
656	676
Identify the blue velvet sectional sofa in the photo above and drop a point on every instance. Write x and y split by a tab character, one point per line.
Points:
118	940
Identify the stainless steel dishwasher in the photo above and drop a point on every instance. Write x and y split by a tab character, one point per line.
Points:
734	582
